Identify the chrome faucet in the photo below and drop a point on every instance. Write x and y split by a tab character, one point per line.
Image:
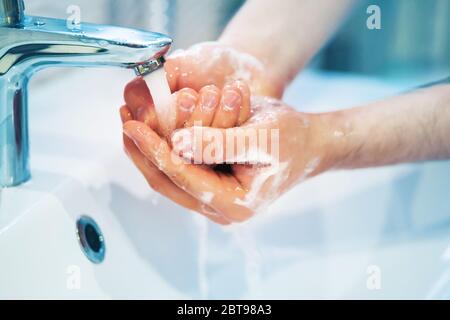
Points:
28	44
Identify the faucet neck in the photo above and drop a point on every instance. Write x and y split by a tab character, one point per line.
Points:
11	13
27	46
14	145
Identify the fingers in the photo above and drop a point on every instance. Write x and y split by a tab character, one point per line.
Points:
186	69
228	112
140	103
240	145
234	109
159	182
125	114
203	114
245	111
220	192
182	71
222	109
213	107
186	100
141	106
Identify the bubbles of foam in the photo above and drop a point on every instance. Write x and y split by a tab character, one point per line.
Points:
253	198
207	197
312	165
244	65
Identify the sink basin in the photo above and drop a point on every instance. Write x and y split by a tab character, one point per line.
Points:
327	238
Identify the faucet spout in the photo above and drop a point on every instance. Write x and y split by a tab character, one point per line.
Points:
36	43
44	41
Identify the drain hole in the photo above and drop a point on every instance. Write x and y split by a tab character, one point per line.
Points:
91	239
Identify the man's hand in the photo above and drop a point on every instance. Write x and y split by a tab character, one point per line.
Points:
212	63
210	106
289	147
412	127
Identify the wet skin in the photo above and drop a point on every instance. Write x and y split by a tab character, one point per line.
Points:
210	106
375	134
235	195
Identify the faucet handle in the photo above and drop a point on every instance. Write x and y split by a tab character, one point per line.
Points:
11	13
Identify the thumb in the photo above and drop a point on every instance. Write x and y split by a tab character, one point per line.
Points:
239	145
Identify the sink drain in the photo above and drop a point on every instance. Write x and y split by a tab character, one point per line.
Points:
91	239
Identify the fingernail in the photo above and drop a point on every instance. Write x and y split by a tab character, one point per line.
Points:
186	102
231	100
208	100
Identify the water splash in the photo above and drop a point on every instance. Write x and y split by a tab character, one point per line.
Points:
244	238
202	225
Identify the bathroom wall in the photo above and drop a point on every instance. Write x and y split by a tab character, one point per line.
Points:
187	21
413	42
91	11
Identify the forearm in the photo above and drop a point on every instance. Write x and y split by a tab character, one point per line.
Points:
407	128
284	34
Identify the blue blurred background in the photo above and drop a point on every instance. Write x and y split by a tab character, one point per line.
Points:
413	43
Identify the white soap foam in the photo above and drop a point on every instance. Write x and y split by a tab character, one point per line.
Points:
244	65
311	166
254	199
207	197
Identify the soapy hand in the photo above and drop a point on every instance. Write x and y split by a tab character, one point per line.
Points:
215	63
259	172
210	106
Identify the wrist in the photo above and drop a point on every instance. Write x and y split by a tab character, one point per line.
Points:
339	140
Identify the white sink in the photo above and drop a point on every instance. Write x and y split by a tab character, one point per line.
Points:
321	240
